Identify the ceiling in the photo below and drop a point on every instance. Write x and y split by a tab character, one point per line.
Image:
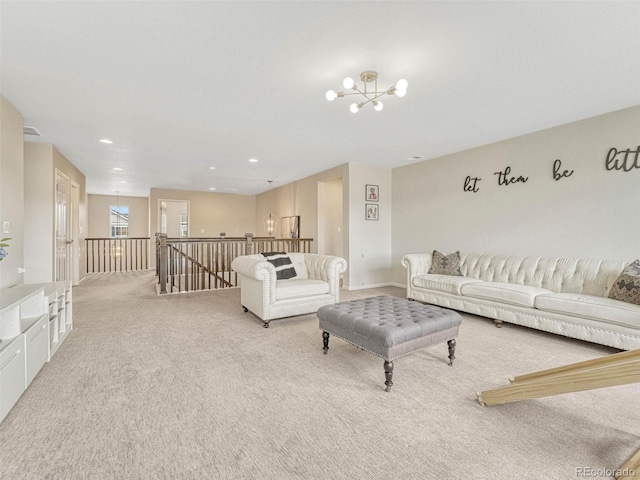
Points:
180	87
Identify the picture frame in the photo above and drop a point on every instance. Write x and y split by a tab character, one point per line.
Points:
371	193
371	211
290	226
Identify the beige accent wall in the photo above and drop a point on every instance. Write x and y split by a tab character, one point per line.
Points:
40	163
11	191
300	198
99	215
330	223
210	213
366	244
593	213
39	241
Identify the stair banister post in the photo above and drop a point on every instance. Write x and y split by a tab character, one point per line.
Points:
162	264
249	243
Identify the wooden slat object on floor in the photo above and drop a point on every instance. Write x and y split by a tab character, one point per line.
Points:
631	469
617	369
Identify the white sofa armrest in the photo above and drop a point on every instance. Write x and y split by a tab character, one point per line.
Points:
416	264
257	268
327	268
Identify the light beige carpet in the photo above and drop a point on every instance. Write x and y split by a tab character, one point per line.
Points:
188	386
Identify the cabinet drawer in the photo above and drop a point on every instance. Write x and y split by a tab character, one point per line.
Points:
12	375
37	347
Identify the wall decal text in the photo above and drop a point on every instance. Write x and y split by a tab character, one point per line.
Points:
505	179
619	159
557	175
471	184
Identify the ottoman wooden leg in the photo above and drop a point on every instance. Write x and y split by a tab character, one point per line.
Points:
325	342
388	374
452	350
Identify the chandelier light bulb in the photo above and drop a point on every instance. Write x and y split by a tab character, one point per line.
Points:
368	93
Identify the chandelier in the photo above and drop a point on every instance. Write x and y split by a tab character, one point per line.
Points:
270	220
370	96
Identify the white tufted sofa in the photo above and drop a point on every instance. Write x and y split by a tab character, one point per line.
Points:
558	295
317	283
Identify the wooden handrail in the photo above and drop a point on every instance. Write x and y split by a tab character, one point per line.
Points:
184	264
117	254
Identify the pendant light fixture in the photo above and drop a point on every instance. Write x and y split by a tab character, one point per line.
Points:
270	220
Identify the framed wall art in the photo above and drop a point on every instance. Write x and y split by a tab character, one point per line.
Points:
290	227
371	211
371	193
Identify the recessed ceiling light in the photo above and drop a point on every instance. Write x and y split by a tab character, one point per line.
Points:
415	157
253	160
117	168
106	140
212	168
212	188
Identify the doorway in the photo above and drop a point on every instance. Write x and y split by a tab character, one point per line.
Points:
330	217
63	223
174	218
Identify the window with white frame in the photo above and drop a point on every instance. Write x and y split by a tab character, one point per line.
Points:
119	221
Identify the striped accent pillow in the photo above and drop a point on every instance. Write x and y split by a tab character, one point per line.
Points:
282	262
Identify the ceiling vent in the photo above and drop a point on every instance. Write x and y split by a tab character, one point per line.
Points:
31	131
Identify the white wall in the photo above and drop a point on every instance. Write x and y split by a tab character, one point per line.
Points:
594	213
330	221
39	212
370	240
11	191
366	244
99	215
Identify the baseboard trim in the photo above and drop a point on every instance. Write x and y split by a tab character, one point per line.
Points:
376	285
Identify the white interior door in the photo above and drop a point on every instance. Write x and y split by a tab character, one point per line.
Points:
174	218
74	229
63	255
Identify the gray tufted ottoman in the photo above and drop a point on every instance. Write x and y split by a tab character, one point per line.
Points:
389	327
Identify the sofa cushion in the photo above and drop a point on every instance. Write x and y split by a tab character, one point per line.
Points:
298	263
445	264
282	263
511	293
295	287
590	306
626	288
442	283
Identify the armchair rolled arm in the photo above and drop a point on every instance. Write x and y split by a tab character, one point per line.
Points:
416	264
327	268
254	268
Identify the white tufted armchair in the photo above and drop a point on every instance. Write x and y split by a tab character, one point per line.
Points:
317	283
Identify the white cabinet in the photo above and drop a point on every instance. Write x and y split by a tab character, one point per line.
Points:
34	320
36	339
57	296
21	308
12	374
